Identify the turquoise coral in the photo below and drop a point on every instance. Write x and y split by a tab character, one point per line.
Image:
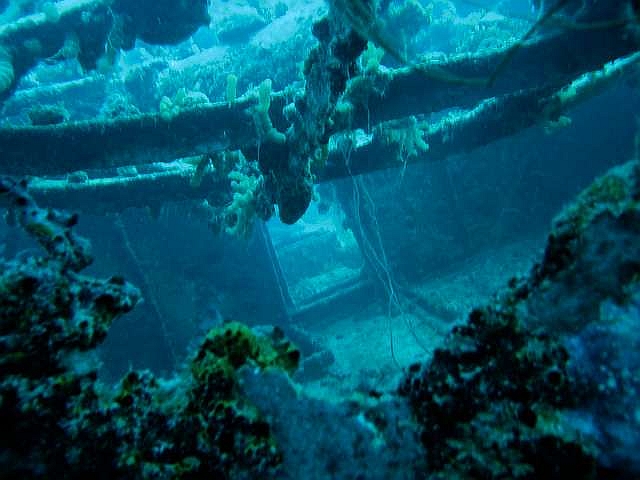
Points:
56	414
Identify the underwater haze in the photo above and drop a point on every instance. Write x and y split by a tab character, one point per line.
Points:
323	239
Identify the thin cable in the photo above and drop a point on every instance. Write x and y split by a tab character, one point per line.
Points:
377	257
119	224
